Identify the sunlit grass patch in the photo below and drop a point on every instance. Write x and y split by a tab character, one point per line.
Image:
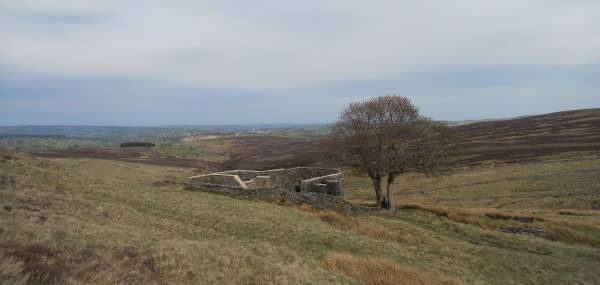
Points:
553	183
383	271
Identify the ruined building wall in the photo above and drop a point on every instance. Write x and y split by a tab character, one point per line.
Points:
218	179
300	179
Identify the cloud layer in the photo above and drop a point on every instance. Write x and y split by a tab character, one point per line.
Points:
97	62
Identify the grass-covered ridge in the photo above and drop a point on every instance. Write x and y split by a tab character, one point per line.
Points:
92	221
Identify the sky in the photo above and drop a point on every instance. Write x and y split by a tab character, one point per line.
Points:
123	62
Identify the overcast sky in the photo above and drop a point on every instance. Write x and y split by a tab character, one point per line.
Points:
120	62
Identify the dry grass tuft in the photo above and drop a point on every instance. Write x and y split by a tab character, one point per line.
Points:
333	217
370	226
372	229
305	208
382	271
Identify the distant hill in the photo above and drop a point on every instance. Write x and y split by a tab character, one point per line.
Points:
531	136
505	140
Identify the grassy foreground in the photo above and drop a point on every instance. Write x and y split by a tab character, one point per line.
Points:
94	221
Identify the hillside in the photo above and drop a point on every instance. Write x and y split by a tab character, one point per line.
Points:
491	141
527	138
519	139
522	208
82	221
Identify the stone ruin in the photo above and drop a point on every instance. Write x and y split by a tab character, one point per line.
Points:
325	181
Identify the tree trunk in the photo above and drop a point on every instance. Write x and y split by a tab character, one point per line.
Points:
386	199
376	179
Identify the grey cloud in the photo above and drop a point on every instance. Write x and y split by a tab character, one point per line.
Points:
281	54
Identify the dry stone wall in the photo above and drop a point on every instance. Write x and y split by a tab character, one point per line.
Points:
221	179
318	201
326	181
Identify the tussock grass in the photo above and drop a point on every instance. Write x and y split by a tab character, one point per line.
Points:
383	271
89	222
369	226
110	222
568	231
333	218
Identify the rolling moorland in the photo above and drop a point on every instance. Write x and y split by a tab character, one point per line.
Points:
522	206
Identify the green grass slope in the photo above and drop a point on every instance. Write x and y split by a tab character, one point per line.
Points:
80	221
553	183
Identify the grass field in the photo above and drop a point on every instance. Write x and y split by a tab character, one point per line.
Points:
42	143
522	208
554	182
209	150
80	221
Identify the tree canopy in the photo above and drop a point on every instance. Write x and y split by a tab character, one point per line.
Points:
386	136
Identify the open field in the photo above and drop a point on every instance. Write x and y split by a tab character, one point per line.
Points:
558	191
138	155
85	220
505	215
205	151
555	182
35	143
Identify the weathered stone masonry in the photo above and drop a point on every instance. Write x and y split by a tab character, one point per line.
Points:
327	181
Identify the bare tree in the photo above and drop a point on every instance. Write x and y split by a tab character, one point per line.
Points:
385	137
